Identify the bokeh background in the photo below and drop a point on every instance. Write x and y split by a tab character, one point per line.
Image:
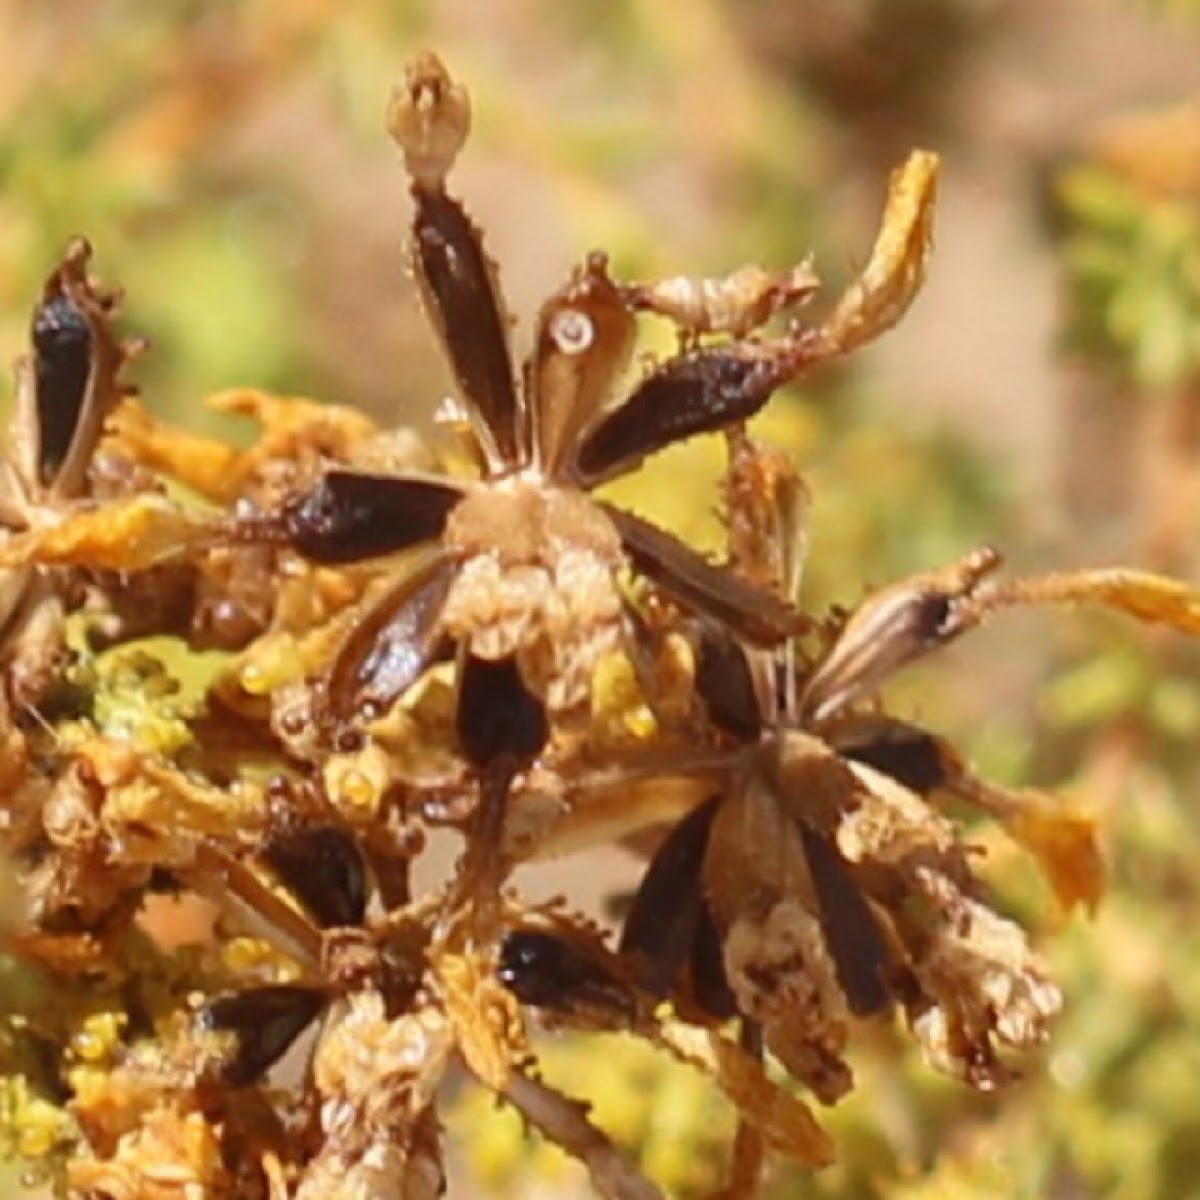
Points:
228	160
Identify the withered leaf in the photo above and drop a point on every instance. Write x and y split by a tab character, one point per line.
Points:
785	1122
125	535
1143	595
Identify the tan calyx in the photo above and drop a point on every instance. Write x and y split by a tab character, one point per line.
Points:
538	580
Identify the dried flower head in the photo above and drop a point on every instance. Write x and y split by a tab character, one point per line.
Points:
416	648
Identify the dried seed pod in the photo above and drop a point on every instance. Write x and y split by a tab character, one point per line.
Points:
265	1022
496	717
324	869
392	643
852	931
893	627
699	586
660	929
62	341
350	516
725	685
551	971
72	383
910	755
700	392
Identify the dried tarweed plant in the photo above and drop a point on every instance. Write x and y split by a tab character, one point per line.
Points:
263	676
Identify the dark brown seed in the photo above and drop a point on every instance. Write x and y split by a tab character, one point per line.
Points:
497	717
660	929
852	932
392	643
62	341
323	868
700	392
907	754
350	516
710	984
547	971
751	612
725	685
266	1021
466	312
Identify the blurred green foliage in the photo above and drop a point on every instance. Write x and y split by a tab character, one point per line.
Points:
1133	266
228	162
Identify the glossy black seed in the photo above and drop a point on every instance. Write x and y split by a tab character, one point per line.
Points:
323	868
391	645
660	928
852	931
698	393
266	1021
907	754
544	970
710	984
62	341
466	311
725	685
349	516
497	717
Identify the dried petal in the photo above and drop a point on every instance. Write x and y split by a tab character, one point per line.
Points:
126	535
890	281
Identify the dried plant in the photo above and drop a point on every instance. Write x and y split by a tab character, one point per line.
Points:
408	645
